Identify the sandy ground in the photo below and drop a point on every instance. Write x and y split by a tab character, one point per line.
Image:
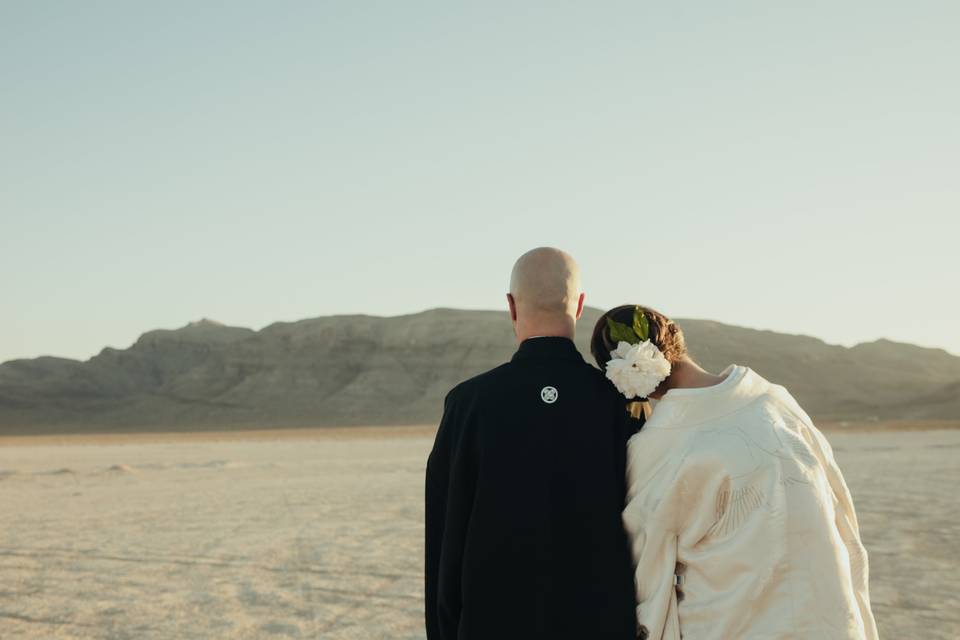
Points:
319	534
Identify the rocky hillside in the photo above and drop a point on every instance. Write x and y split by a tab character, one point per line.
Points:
351	370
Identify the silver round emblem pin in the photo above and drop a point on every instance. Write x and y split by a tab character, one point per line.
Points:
549	394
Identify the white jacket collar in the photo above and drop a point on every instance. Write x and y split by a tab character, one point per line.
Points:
685	407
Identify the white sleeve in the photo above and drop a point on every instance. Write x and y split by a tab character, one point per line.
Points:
849	528
666	492
654	548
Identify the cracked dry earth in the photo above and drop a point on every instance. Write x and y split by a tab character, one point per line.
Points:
321	537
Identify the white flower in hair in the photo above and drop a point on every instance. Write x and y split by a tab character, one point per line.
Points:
636	366
637	369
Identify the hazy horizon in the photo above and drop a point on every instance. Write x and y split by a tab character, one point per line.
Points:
580	328
785	167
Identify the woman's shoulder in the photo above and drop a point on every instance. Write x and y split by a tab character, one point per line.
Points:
655	444
686	453
780	397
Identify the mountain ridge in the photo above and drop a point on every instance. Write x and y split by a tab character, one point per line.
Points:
353	369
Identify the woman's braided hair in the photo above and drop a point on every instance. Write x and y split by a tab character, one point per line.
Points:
664	333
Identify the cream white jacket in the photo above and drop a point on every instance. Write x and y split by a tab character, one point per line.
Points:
735	489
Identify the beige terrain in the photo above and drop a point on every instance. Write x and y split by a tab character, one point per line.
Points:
318	534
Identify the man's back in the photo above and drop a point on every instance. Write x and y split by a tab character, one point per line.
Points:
525	487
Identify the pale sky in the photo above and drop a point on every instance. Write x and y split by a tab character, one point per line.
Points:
781	165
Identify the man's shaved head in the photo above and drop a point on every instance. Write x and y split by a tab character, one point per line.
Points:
546	281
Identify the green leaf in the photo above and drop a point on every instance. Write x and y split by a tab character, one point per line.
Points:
620	332
641	326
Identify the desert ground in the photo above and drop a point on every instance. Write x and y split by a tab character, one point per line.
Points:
318	533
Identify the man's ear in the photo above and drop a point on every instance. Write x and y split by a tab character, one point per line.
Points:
580	305
513	307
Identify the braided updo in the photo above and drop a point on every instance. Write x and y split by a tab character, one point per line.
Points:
664	333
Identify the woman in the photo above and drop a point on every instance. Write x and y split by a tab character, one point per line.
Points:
740	520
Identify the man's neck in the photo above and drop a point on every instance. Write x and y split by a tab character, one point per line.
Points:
545	326
529	334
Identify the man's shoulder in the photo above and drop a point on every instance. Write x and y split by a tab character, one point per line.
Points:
480	383
597	376
509	373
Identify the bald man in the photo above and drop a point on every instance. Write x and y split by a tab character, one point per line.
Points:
525	484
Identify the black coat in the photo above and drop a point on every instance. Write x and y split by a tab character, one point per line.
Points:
524	491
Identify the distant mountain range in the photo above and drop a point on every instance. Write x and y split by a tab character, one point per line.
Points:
364	370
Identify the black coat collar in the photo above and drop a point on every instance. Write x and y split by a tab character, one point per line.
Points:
549	347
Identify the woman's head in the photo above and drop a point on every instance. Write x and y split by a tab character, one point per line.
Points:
665	334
